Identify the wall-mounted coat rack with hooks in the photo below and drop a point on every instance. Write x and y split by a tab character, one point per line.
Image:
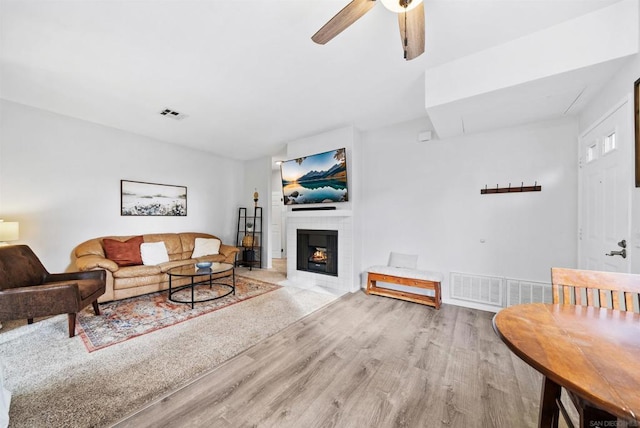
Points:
522	188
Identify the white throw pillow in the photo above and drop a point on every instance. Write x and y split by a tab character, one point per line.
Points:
153	253
408	261
206	247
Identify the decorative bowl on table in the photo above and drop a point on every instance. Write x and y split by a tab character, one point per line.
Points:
203	265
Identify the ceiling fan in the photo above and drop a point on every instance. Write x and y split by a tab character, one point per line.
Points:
410	18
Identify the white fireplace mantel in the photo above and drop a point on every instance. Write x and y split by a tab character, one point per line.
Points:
338	220
320	213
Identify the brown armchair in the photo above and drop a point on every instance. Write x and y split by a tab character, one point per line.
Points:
28	290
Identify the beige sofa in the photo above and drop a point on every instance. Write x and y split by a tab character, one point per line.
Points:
128	281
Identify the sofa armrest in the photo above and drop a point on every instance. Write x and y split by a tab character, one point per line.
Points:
228	250
91	262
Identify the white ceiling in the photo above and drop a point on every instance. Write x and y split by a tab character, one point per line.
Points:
245	72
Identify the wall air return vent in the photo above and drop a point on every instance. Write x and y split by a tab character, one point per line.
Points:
520	291
477	288
497	291
173	114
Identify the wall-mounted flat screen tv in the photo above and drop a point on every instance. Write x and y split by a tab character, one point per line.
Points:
315	179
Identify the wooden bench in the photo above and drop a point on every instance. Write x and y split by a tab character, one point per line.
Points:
421	279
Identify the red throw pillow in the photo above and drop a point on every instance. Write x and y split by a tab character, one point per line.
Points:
125	253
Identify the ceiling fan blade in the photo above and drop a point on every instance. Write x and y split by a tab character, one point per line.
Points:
413	35
347	16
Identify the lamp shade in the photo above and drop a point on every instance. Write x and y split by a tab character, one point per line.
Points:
397	5
9	231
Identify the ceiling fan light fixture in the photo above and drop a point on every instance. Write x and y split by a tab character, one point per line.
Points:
410	15
399	6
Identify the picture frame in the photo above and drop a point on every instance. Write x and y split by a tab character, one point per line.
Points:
636	118
139	198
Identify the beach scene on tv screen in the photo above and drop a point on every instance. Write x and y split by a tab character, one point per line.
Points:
315	179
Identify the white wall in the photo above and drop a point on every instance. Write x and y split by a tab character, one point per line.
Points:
276	181
619	87
257	175
276	189
60	178
424	198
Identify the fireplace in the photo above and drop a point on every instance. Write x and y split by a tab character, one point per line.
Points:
317	251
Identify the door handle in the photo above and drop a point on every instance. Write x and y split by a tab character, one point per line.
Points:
622	253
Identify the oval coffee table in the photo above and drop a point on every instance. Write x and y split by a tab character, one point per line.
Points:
205	276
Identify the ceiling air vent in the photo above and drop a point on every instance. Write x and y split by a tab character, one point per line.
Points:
173	114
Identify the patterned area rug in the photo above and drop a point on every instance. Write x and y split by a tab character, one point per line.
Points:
125	319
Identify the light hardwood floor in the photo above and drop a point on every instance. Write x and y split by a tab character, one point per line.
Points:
363	361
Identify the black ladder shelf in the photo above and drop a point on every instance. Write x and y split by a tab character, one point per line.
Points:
249	237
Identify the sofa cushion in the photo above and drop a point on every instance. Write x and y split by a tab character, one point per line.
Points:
189	241
138	281
153	253
164	267
125	253
171	241
206	247
134	271
93	247
219	258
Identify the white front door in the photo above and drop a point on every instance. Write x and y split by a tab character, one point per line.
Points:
606	182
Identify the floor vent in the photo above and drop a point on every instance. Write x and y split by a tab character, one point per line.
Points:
519	291
487	290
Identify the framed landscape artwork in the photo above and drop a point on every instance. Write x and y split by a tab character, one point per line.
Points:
151	199
636	115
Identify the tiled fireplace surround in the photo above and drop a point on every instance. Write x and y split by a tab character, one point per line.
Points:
340	220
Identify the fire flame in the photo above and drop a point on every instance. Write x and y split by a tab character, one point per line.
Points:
319	255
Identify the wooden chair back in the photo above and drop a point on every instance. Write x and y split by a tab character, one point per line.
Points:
615	290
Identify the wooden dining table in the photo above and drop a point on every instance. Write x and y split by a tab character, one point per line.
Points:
590	351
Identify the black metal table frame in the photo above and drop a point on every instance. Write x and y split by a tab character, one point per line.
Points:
210	281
